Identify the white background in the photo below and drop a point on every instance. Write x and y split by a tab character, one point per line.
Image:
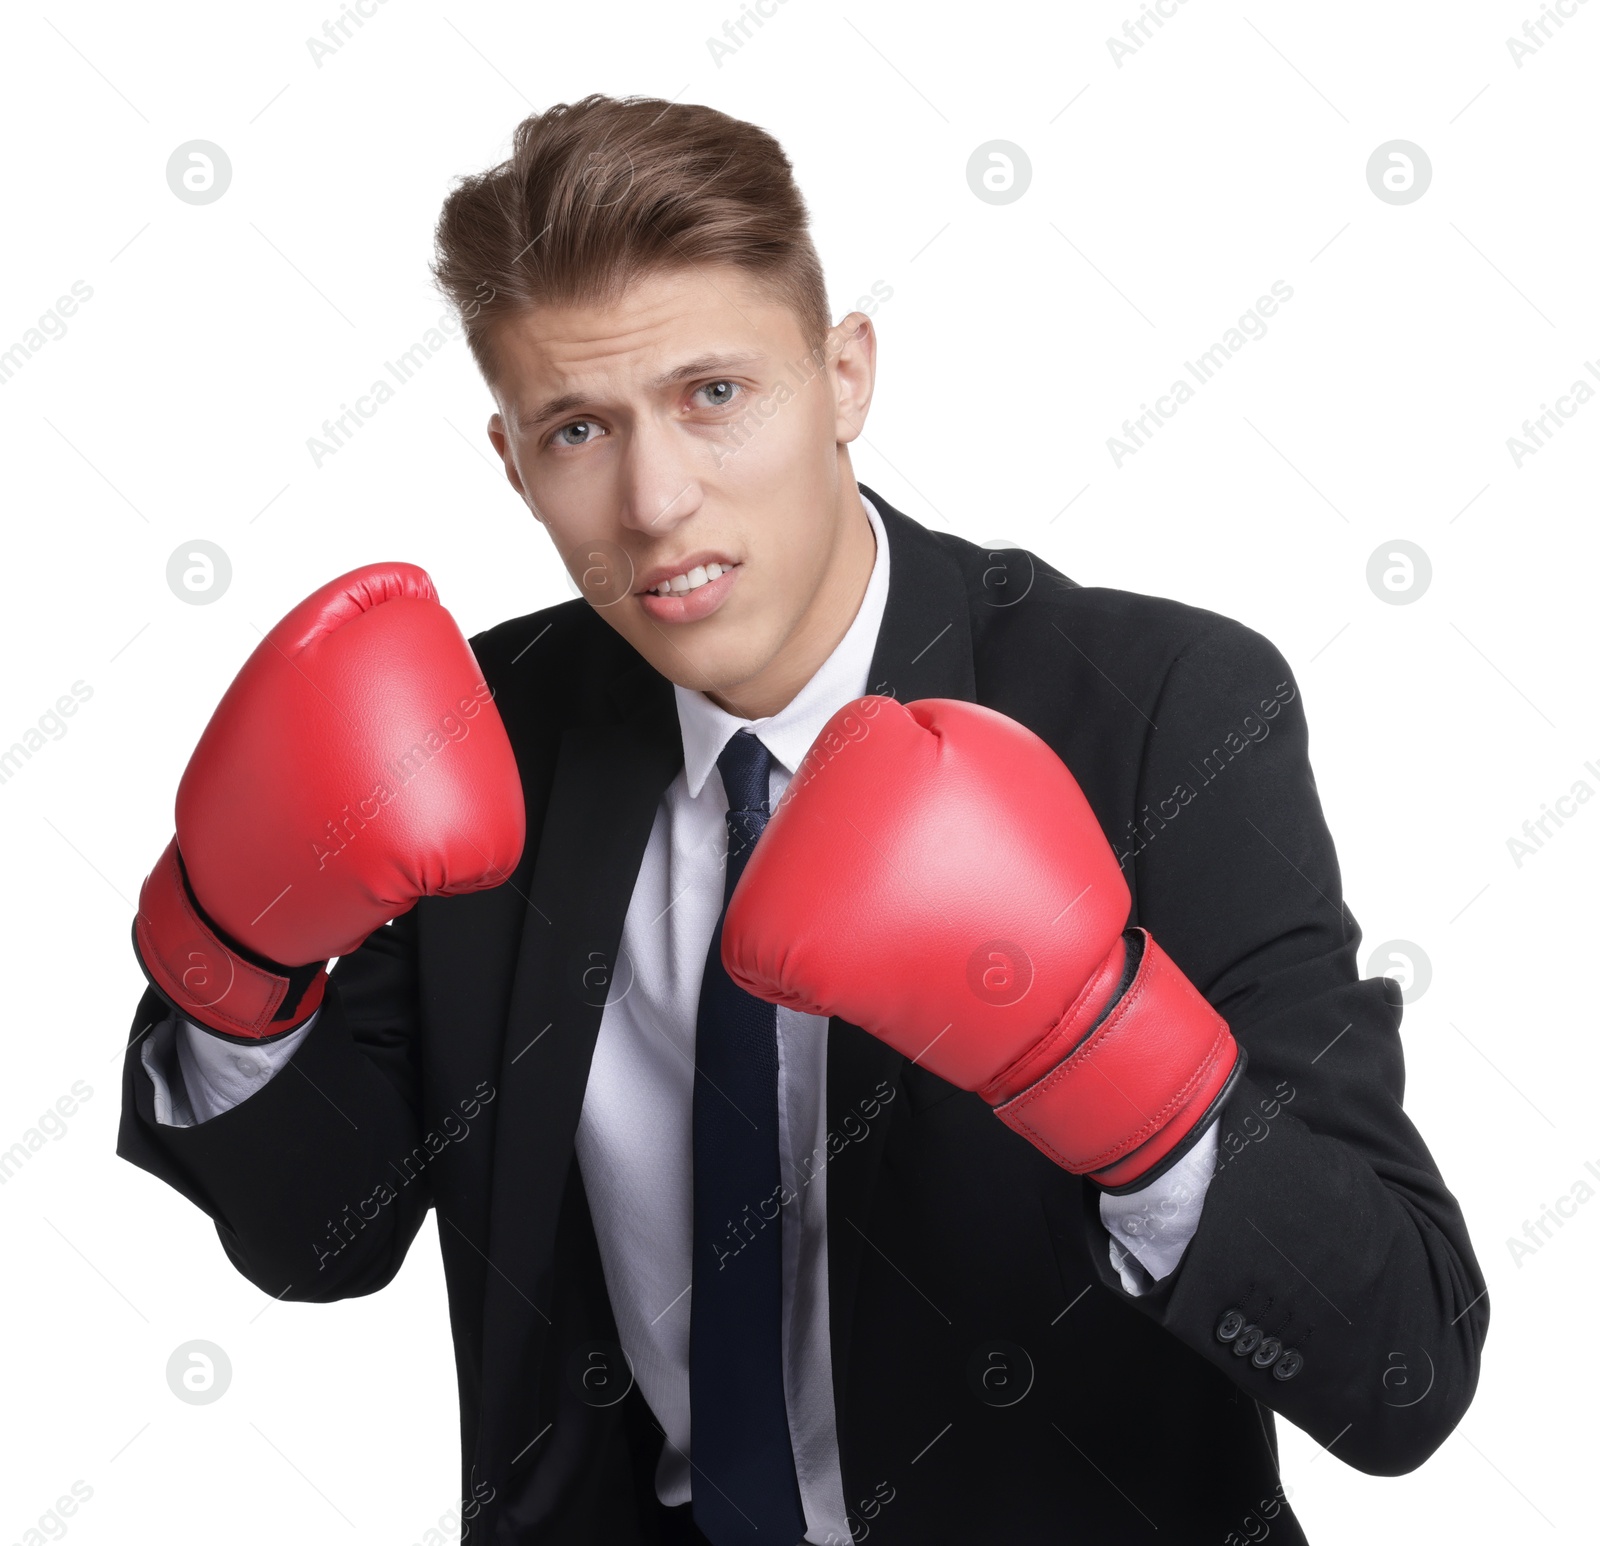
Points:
1229	152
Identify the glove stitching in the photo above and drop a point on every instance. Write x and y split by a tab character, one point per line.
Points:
1085	1057
170	879
1125	1145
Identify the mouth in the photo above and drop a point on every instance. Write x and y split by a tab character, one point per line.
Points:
691	595
689	579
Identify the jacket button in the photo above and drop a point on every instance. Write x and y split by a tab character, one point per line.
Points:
1231	1324
1247	1341
1289	1364
1267	1354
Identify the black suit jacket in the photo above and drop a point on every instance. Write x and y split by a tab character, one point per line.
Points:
992	1379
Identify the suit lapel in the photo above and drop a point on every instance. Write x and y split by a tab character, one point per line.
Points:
924	650
608	781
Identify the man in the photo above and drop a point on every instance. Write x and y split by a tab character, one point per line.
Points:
727	1264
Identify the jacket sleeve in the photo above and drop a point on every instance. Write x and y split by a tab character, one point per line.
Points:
1331	1277
305	1178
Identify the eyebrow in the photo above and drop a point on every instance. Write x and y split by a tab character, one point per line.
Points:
705	365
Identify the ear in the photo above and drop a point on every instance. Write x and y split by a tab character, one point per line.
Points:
852	348
501	442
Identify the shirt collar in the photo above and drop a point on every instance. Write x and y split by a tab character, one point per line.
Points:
788	734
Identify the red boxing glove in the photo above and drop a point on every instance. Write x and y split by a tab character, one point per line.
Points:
934	875
356	764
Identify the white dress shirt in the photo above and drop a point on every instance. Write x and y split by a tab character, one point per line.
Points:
634	1139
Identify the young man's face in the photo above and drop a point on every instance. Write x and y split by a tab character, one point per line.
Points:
686	424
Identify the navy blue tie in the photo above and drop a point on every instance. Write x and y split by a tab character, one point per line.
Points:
744	1488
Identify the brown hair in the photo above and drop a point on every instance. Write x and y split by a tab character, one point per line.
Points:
607	190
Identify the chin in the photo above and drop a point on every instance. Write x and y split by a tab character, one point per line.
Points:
713	670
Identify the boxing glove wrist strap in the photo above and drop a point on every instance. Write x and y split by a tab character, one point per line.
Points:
1139	1063
208	977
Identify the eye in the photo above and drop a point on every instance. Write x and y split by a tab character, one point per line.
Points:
712	386
559	437
581	431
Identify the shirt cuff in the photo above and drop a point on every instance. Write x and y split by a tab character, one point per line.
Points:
1151	1227
197	1076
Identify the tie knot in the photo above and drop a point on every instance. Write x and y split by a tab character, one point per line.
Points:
746	766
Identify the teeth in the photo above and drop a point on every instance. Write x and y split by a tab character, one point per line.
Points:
693	580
